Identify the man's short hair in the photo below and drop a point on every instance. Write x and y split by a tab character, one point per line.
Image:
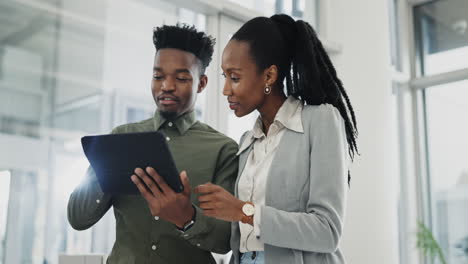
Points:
186	38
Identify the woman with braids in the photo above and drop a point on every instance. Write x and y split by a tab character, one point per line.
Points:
293	178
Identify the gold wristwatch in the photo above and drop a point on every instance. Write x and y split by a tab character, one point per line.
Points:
248	209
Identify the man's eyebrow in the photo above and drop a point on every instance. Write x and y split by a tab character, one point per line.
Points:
182	71
177	70
233	69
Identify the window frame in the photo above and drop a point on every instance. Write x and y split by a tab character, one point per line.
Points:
415	198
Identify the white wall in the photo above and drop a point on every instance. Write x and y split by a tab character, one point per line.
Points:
361	28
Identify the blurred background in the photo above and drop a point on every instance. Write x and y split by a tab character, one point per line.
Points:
73	68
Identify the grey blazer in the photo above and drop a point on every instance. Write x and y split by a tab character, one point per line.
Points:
302	220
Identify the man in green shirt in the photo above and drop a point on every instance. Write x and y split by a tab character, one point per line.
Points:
166	227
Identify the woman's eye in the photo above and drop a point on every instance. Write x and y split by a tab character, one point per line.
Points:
183	79
232	77
157	77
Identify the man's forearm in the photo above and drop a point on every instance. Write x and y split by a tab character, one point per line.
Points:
87	203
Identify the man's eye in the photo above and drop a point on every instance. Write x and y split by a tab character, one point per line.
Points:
157	77
183	79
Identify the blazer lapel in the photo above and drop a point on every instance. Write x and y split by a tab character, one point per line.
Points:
244	152
284	148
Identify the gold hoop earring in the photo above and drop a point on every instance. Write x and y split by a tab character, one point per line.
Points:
267	89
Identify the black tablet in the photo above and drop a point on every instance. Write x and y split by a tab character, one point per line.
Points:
114	158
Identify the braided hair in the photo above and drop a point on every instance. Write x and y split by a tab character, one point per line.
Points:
303	65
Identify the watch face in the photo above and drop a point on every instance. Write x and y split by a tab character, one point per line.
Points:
248	209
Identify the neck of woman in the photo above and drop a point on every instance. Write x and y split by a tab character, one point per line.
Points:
270	107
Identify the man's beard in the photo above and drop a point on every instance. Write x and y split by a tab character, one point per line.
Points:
169	115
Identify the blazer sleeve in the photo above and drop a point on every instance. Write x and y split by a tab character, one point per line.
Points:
319	228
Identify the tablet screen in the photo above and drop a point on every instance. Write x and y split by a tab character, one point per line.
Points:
115	157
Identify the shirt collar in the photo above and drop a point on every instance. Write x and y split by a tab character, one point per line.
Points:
182	123
289	115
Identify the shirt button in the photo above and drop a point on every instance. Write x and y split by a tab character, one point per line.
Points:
153	247
170	124
168	138
198	245
156	218
186	235
98	201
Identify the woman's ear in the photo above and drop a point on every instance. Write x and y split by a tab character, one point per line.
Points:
202	84
271	75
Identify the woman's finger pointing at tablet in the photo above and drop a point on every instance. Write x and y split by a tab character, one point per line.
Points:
206	188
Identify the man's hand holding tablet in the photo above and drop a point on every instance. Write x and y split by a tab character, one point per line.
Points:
162	200
118	160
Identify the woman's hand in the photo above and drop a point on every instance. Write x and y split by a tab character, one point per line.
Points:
218	203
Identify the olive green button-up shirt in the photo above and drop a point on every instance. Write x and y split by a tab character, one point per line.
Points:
207	156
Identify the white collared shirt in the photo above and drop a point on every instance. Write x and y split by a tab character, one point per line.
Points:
253	179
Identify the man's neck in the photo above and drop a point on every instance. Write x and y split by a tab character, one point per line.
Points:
171	116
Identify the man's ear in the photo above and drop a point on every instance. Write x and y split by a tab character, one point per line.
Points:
271	75
202	83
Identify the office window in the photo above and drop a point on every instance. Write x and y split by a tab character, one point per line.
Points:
447	130
294	8
192	18
137	114
67	69
442	47
441	29
265	7
4	198
25	203
395	55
